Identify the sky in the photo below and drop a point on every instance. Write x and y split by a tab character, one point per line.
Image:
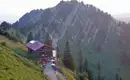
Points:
12	10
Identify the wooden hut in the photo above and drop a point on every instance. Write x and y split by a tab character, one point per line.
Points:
36	47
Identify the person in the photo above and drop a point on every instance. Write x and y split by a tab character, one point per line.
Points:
43	61
53	66
52	60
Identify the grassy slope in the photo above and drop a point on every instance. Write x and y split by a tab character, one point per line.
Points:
29	69
17	47
66	72
12	44
14	67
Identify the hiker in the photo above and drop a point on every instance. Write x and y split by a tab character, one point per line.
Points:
53	65
43	61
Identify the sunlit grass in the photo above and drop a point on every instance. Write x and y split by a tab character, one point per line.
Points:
14	67
12	44
58	77
70	75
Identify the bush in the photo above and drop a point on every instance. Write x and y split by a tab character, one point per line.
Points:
13	38
9	36
36	63
3	43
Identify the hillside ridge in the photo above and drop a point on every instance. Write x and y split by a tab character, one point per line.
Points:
102	39
13	66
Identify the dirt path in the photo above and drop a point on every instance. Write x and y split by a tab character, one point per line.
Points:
51	73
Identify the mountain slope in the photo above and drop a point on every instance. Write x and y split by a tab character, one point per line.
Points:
7	30
14	67
102	38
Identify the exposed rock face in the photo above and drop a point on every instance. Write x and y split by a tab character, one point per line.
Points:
102	37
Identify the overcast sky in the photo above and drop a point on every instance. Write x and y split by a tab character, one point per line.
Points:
12	10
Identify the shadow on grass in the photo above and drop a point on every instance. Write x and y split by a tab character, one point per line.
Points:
25	54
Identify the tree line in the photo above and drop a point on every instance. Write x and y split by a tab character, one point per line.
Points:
82	61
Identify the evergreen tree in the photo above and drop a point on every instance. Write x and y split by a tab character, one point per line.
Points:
99	66
30	37
74	1
58	52
120	78
86	69
117	77
99	71
4	25
85	65
48	40
37	36
67	58
90	75
80	61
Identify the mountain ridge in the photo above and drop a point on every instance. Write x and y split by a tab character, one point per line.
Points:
100	35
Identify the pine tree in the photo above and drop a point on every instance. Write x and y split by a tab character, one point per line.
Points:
58	52
99	71
74	0
37	36
117	77
80	61
90	75
80	65
48	40
120	78
67	58
4	25
30	37
85	65
80	57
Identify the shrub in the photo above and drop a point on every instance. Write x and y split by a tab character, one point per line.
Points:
12	79
3	43
13	38
9	36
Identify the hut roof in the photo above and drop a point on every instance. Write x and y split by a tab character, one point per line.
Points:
34	45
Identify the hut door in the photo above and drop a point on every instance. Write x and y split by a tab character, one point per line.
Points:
54	53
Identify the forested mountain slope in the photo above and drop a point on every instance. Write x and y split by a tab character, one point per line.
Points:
103	40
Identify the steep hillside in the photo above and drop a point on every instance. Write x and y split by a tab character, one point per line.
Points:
12	44
7	30
103	39
14	67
